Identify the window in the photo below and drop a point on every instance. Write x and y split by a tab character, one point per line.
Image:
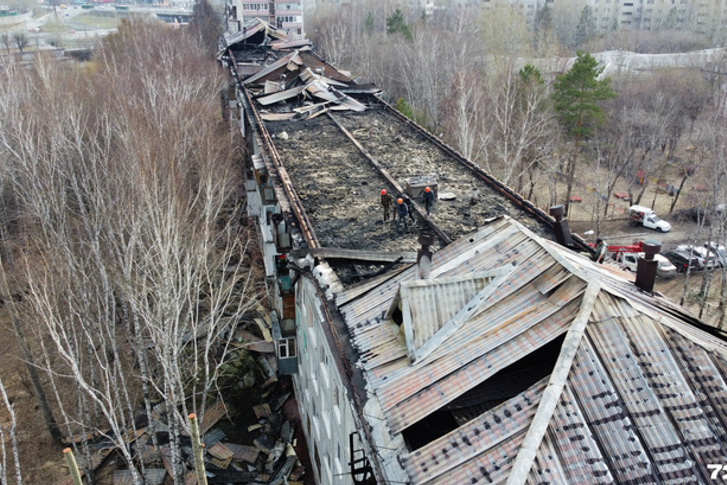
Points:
324	374
312	334
336	405
286	348
325	417
314	381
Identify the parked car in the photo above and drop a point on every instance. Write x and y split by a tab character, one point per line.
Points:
708	259
719	251
664	268
684	260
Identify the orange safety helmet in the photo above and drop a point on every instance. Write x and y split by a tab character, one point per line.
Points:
383	191
399	201
427	189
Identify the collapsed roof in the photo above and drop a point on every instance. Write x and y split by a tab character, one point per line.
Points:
515	359
518	359
333	144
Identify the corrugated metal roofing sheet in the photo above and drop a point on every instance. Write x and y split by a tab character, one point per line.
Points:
422	392
280	96
489	431
212	437
279	64
152	476
633	410
429	304
569	449
645	399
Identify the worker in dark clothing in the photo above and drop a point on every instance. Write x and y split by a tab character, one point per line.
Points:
407	201
386	200
600	251
428	198
402	212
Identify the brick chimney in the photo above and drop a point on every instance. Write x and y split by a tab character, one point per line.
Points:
646	266
560	226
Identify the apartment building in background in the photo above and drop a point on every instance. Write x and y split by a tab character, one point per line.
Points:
702	16
286	15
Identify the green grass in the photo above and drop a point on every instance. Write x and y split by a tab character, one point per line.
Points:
94	21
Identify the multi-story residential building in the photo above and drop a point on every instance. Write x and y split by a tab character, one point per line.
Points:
703	16
286	15
479	346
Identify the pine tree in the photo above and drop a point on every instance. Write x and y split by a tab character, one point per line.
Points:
395	23
576	97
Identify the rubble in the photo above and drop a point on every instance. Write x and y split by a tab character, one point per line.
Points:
267	457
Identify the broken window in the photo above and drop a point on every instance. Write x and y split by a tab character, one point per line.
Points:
504	385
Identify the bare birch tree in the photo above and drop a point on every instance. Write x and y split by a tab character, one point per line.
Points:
131	238
13	441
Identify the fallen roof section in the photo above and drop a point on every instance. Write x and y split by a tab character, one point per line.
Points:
257	31
619	389
335	145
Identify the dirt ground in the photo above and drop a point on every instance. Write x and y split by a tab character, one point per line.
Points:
615	229
42	462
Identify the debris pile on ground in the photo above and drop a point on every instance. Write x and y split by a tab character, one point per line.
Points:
262	450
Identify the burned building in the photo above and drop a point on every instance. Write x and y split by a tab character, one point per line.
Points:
472	346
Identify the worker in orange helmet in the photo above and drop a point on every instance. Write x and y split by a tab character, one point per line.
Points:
428	199
402	213
386	200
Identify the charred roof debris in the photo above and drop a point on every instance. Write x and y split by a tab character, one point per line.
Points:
478	346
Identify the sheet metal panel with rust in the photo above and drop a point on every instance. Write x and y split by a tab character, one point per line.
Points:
489	434
631	380
420	395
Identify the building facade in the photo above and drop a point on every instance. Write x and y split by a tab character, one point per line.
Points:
702	16
285	15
